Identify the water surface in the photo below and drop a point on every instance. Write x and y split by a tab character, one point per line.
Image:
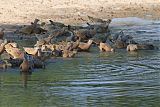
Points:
120	79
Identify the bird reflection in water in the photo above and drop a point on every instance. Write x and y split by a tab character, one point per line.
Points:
24	77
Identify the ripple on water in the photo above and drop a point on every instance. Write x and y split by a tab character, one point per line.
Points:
119	79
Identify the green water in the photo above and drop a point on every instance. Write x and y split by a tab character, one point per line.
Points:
97	80
120	79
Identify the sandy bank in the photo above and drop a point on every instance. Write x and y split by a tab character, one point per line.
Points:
70	11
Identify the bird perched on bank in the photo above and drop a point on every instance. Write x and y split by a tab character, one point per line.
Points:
30	28
31	51
85	46
146	47
14	52
57	24
68	54
98	20
100	28
2	33
2	46
48	39
3	64
33	28
135	47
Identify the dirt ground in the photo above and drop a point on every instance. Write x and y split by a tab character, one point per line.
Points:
71	11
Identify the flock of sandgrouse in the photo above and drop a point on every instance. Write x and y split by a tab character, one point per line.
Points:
59	40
